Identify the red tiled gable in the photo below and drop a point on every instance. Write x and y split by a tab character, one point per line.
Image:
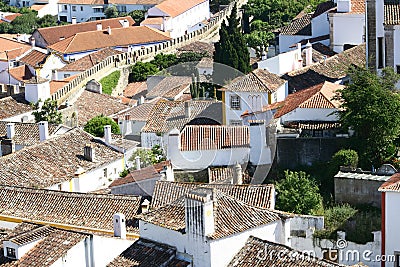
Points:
10	49
214	137
176	7
10	18
34	58
136	176
392	185
134	89
13	105
21	73
93	40
90	60
319	96
52	35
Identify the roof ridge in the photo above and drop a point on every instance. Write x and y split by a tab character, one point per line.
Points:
259	80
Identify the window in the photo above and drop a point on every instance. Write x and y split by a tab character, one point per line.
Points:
121	8
380	52
98	10
235	122
11	253
105	172
81	8
235	102
398	69
67	75
65	7
73	8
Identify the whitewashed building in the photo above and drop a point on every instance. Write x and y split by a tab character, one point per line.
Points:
178	17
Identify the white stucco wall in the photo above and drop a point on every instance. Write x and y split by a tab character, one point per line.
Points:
285	41
36	92
392	222
310	114
52	63
347	29
148	140
76	256
320	25
105	249
282	63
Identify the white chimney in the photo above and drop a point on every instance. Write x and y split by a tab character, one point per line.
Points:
73	20
33	42
125	23
109	30
141	100
343	6
187	109
137	160
54	75
10	130
89	152
145	206
107	134
99	27
308	49
119	225
43	131
237	174
199	212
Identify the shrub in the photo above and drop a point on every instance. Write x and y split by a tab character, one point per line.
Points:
96	126
109	82
345	157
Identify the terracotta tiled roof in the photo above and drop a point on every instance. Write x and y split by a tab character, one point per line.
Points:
261	196
21	73
323	7
25	133
392	12
214	137
258	80
205	62
79	210
10	18
57	85
119	141
53	161
332	69
111	2
146	253
319	96
168	115
152	21
90	60
90	105
168	87
392	185
135	90
231	216
93	40
198	47
300	26
34	58
12	48
258	252
174	8
36	7
54	243
13	106
139	113
53	35
224	175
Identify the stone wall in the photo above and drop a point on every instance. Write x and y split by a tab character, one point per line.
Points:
293	152
357	191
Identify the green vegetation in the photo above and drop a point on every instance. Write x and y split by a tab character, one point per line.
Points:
372	109
111	12
148	156
298	193
231	50
96	125
137	16
109	82
141	70
357	222
47	112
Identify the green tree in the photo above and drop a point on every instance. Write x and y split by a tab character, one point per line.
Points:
140	71
148	156
47	21
26	23
163	61
137	16
47	112
95	126
111	12
371	107
5	27
259	40
231	49
298	193
345	157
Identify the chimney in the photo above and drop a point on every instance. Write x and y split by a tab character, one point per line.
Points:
99	27
107	134
145	206
141	100
89	152
54	75
10	130
109	30
137	160
43	131
73	20
343	6
199	212
309	60
125	23
187	109
119	225
33	42
237	174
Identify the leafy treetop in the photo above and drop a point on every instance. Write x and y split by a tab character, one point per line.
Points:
96	125
47	112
